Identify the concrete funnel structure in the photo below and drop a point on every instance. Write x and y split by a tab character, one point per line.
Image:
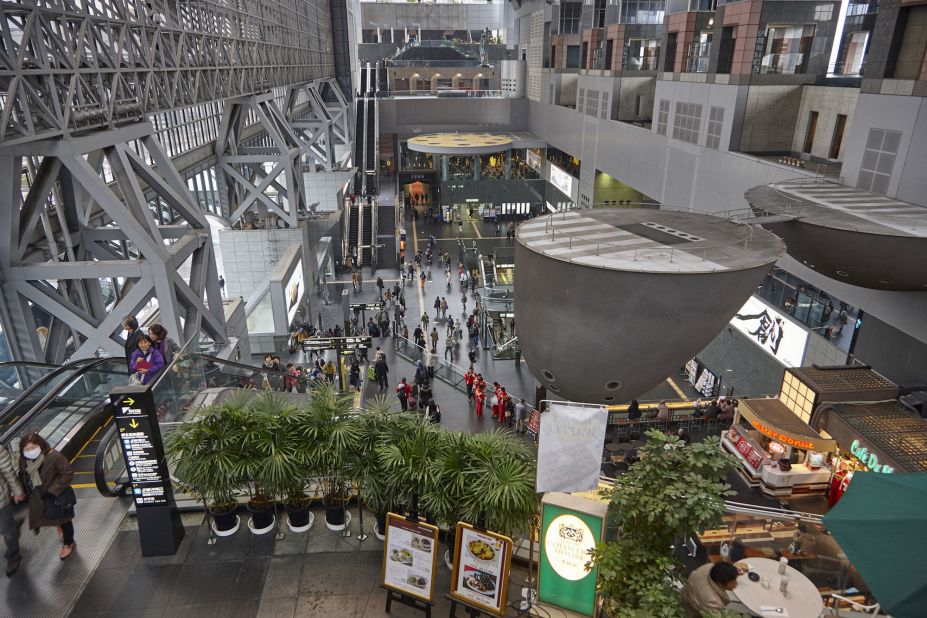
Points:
617	300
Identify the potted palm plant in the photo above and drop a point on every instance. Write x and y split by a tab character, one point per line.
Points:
380	427
334	429
270	458
203	452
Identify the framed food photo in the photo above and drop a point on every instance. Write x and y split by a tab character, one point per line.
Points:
481	569
409	557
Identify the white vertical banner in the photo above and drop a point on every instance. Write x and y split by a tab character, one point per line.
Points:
570	447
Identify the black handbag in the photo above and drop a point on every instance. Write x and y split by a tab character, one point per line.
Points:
60	506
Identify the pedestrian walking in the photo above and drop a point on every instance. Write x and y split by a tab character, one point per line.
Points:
222	285
521	412
380	372
11	491
469	380
437	306
479	396
48	477
444	307
403	391
434	338
380	285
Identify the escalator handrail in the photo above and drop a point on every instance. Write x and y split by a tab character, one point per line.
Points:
49	397
59	369
99	465
110	435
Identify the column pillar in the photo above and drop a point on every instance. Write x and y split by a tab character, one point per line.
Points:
445	175
476	167
508	164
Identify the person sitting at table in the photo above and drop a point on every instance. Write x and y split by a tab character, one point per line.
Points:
707	588
634	411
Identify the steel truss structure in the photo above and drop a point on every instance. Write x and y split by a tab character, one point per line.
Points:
74	236
70	66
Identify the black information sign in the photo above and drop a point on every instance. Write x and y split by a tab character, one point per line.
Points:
315	344
367	306
159	525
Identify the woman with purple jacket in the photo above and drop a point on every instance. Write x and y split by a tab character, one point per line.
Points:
146	361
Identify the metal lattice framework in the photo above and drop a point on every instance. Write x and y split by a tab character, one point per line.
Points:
69	66
98	233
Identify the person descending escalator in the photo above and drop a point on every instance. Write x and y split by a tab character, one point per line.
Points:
48	477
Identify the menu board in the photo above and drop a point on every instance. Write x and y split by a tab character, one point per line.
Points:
534	422
706	383
481	568
409	557
744	447
692	371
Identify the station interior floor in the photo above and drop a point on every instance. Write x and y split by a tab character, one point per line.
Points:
319	573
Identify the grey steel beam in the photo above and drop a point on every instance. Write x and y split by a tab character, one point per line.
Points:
64	280
68	66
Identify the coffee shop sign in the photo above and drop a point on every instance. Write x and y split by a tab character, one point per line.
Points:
870	460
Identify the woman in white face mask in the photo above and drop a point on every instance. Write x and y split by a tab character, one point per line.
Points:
48	478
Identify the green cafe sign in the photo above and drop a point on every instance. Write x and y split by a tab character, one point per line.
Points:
870	460
567	537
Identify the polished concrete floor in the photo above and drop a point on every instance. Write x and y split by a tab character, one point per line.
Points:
316	573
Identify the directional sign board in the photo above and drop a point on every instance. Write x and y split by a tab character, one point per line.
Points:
316	344
159	525
367	306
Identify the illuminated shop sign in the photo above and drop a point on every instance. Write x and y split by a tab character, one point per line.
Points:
294	292
779	337
781	437
567	536
561	180
870	460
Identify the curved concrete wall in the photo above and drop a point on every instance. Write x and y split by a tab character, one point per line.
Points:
608	336
875	261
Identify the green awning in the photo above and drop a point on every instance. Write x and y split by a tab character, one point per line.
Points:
881	525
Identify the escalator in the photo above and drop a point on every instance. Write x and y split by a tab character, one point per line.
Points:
24	384
69	414
367	239
353	226
370	150
359	142
188	384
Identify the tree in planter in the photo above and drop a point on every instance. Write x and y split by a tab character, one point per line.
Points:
407	460
331	435
503	486
205	457
674	490
380	427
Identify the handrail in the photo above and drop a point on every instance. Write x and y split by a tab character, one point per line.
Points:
744	239
57	370
43	403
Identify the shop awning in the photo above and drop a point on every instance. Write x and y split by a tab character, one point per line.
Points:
773	419
880	435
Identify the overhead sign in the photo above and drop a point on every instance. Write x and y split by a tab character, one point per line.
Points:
316	344
366	306
481	568
561	180
777	334
570	528
570	447
410	554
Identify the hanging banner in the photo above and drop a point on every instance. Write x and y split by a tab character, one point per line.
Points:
481	568
570	447
409	557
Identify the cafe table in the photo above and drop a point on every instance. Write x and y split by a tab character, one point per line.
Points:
803	600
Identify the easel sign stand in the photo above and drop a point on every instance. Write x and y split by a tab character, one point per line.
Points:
410	556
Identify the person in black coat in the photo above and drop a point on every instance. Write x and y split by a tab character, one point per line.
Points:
380	371
133	332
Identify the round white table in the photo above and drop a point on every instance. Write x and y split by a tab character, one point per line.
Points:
803	601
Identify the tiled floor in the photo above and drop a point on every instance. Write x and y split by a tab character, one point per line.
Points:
318	573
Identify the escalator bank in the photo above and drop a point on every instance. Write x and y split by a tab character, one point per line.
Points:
159	527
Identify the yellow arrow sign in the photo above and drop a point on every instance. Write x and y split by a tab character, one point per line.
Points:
128	401
133	424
